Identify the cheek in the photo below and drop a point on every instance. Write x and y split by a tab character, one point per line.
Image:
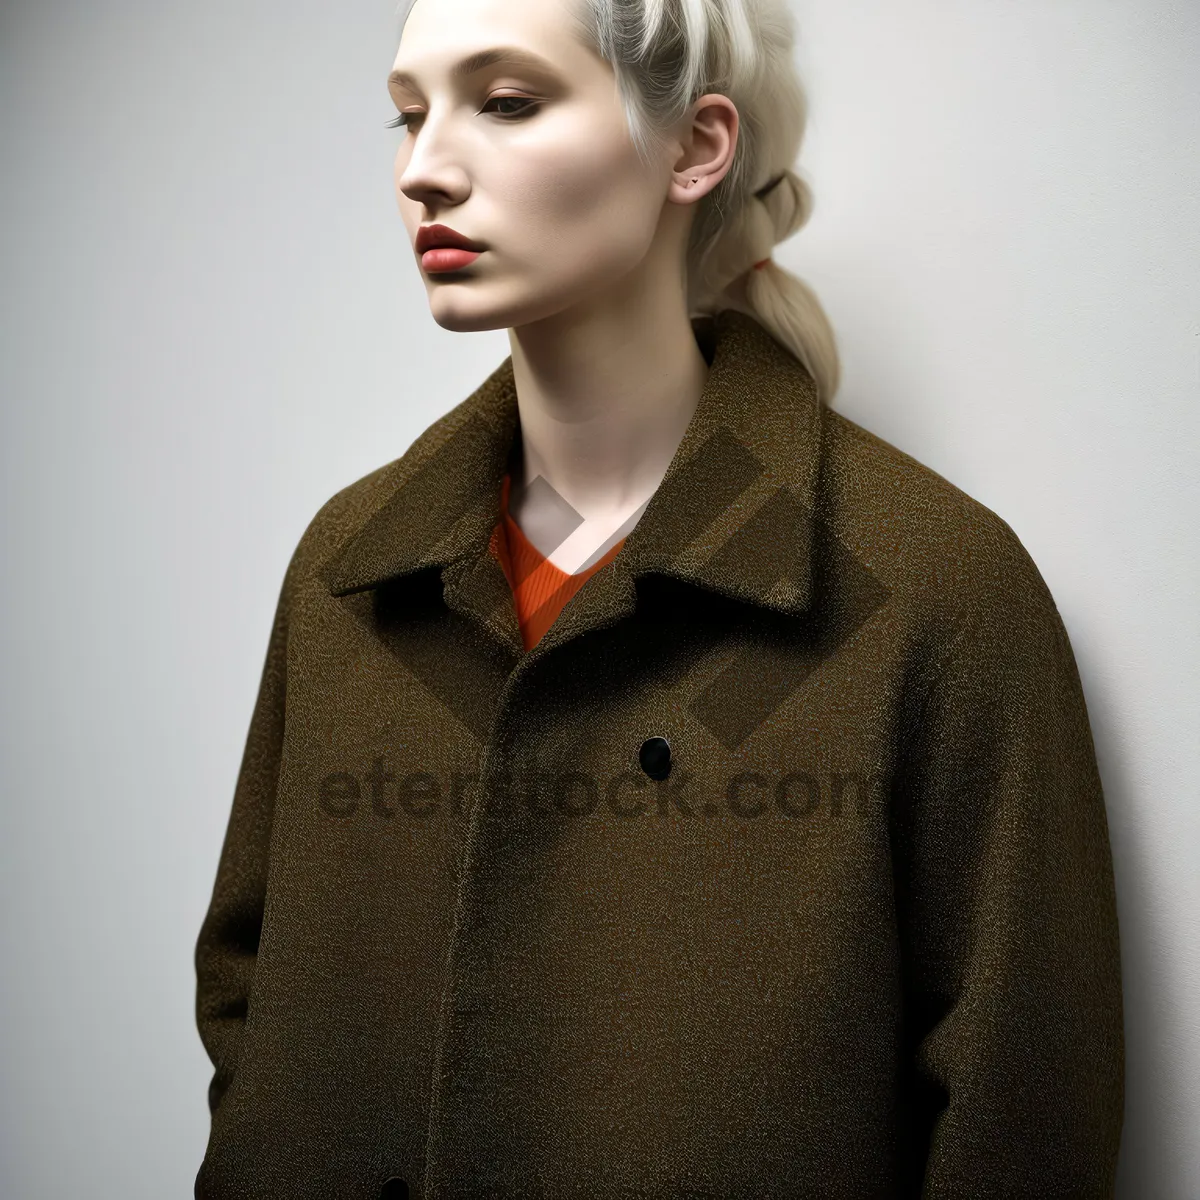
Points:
581	205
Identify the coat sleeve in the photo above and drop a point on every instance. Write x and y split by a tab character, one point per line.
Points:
1006	908
227	947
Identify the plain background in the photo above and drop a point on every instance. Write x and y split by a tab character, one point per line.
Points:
213	321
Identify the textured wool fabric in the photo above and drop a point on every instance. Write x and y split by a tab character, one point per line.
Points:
540	589
778	867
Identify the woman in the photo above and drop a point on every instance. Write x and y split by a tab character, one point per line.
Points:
659	786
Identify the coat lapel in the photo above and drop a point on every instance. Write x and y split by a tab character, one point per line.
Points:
733	514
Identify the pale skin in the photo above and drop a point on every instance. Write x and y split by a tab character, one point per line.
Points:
585	251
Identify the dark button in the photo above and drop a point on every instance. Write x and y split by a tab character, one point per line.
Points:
655	757
394	1189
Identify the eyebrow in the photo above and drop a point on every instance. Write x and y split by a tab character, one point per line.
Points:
476	62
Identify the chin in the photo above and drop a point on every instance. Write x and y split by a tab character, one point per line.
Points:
458	321
462	309
455	307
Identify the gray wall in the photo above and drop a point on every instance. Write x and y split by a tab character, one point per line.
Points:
212	322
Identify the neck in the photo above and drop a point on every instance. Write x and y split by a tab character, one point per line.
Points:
604	398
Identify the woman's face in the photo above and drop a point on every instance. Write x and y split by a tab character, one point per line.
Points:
529	157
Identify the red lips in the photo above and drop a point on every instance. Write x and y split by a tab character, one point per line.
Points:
430	237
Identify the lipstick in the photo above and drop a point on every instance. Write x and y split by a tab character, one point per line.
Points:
447	258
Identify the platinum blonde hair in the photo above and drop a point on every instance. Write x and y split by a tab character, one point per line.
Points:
665	54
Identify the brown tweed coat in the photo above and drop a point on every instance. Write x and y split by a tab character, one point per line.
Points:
779	867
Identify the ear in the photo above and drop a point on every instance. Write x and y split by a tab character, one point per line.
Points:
708	141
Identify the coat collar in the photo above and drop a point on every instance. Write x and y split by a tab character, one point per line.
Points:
732	515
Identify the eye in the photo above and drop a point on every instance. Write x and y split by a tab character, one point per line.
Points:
529	107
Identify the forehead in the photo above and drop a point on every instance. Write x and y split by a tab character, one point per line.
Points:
439	34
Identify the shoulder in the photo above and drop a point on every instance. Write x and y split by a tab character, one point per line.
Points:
944	556
353	507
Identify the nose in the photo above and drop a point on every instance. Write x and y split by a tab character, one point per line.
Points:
433	174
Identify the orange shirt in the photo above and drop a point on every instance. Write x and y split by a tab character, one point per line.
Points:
540	589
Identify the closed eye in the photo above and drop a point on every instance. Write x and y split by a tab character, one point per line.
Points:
529	106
